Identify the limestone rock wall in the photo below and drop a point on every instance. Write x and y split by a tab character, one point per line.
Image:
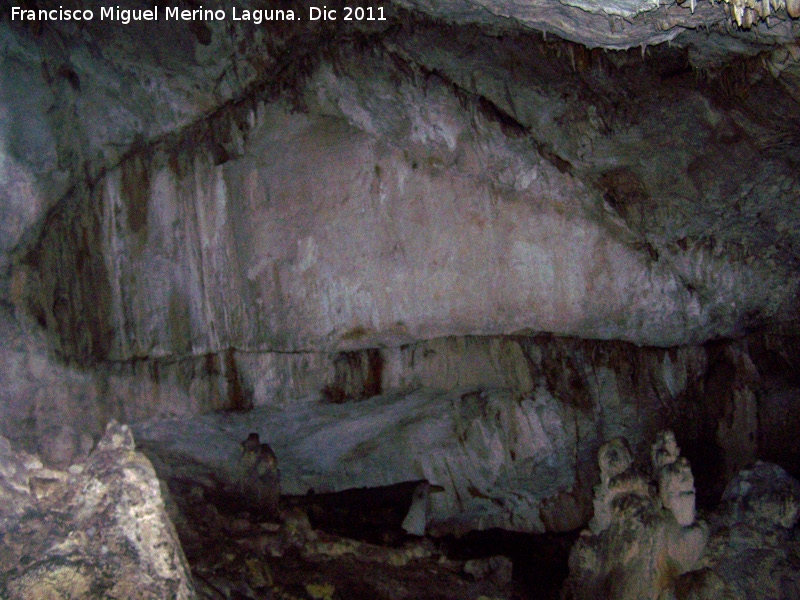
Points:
508	426
593	390
391	210
404	213
486	415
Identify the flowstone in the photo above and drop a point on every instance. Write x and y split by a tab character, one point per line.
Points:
675	479
645	542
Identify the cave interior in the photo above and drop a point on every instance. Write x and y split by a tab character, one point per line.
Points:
434	258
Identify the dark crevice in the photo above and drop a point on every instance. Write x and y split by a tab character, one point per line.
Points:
238	398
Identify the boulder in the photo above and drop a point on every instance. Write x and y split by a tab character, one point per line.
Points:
754	549
97	529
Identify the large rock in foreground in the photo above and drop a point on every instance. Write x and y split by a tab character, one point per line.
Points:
96	530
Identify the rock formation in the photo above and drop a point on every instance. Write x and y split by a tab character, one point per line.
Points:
753	552
258	481
96	529
644	543
640	538
416	520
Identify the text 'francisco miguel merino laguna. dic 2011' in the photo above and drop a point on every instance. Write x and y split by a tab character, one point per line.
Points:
257	16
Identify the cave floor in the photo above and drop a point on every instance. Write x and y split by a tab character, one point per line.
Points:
349	545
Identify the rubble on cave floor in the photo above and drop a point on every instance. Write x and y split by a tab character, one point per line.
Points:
350	545
292	560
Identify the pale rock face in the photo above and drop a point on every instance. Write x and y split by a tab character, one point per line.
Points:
334	231
233	243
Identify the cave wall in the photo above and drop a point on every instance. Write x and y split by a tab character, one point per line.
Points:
481	415
386	207
509	426
403	217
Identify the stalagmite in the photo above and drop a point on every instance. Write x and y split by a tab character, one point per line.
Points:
417	518
639	540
